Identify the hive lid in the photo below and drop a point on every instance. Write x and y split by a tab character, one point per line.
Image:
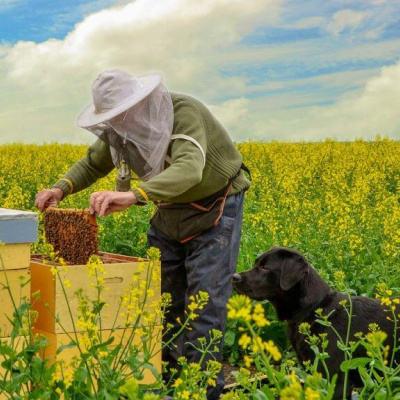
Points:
6	214
17	226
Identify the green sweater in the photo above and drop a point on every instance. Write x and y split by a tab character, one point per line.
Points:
185	179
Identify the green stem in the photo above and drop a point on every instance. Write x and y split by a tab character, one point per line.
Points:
394	338
98	303
266	360
346	374
75	332
143	304
385	377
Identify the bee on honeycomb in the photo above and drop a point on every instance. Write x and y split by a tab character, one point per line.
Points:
73	233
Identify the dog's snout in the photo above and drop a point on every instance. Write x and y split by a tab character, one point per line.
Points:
236	278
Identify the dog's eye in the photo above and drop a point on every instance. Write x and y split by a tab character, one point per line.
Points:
264	267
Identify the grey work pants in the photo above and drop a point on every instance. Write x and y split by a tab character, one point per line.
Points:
205	263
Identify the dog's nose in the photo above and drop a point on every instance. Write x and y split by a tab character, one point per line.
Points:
236	278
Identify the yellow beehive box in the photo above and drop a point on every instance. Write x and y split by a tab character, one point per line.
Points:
67	354
17	230
119	273
18	346
15	256
14	279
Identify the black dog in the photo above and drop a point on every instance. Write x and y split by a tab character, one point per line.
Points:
294	288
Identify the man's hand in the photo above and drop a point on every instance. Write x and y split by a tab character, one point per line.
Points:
48	197
104	203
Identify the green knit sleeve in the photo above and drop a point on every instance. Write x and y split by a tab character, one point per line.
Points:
96	164
187	167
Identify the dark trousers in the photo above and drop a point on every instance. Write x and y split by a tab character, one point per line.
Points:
205	263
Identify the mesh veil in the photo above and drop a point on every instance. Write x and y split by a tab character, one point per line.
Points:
141	135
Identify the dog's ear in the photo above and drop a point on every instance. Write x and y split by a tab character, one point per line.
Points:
294	269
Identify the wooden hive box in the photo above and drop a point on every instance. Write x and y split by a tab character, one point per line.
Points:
14	278
67	354
120	271
18	229
52	301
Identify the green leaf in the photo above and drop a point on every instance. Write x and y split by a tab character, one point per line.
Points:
70	345
267	391
332	386
381	395
323	322
98	308
342	346
233	358
259	395
367	380
354	363
229	338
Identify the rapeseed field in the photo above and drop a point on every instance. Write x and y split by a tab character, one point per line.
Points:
336	202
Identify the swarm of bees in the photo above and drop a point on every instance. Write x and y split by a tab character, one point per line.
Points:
73	234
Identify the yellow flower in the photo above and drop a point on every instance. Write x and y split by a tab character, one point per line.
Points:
339	275
185	395
293	391
248	361
376	338
244	341
305	328
312	394
273	350
239	307
385	301
177	382
211	382
258	316
103	354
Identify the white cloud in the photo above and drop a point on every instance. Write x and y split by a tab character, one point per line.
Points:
374	110
43	87
375	33
346	19
5	4
49	83
233	112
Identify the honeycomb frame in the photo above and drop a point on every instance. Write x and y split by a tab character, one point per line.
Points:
73	234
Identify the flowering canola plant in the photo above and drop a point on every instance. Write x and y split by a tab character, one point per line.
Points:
336	202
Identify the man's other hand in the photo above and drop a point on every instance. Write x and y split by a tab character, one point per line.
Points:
104	203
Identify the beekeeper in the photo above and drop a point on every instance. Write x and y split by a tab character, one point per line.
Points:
189	166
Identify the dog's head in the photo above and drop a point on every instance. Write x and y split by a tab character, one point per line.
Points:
274	272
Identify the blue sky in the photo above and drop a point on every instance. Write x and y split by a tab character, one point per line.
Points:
39	20
275	63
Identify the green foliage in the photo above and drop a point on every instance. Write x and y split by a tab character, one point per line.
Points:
338	203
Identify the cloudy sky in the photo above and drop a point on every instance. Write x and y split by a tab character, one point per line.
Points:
269	69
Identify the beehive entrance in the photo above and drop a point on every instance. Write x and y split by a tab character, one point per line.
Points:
73	234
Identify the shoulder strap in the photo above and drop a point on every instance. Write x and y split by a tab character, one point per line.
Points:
194	141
